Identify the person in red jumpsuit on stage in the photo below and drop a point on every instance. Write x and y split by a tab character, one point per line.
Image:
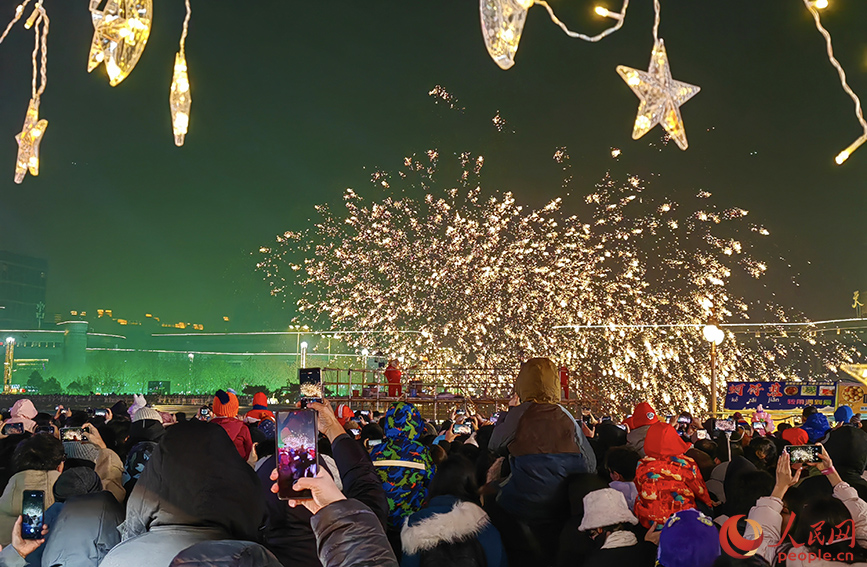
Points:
393	375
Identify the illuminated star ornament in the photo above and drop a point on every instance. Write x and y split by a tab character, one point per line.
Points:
502	24
660	95
120	33
28	142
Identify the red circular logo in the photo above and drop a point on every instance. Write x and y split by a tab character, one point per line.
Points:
734	543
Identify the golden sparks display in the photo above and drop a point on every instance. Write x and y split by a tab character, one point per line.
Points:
180	97
660	96
120	34
483	282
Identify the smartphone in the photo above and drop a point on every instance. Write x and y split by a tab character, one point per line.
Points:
759	425
684	420
463	429
297	454
44	429
310	383
804	454
32	509
205	412
365	413
13	429
495	418
355	432
373	442
72	434
701	434
99	413
725	425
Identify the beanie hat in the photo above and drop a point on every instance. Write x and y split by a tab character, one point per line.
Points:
81	451
795	436
76	482
225	404
644	414
344	413
843	414
606	507
688	539
147	413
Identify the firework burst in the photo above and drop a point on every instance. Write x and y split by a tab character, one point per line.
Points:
485	281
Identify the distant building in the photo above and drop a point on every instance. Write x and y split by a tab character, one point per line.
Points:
22	291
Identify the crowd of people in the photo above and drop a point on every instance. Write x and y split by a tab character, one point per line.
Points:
531	486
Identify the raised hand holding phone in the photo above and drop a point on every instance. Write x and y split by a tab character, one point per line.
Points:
322	489
297	451
25	547
32	511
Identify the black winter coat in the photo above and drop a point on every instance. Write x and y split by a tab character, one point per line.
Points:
287	532
348	533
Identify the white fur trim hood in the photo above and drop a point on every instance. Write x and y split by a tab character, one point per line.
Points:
464	521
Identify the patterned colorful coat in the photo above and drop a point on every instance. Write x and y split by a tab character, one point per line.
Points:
667	480
404	465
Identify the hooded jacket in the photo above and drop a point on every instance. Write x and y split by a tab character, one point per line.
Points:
195	488
667	480
642	418
545	444
816	427
23	411
404	465
84	531
449	531
847	447
260	408
238	433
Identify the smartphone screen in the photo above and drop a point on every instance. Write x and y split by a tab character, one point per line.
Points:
297	455
310	383
99	413
804	453
725	425
31	512
759	425
72	434
13	429
701	434
463	429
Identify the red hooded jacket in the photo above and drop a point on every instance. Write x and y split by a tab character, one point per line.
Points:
667	480
260	407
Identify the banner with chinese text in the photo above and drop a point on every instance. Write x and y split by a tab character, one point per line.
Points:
778	395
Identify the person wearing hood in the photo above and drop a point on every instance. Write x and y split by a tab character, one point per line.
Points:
39	461
23	411
226	553
226	416
545	446
195	488
763	423
642	418
847	447
82	521
817	427
795	436
260	408
452	529
404	466
667	480
607	519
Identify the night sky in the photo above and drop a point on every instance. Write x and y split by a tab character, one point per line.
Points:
292	101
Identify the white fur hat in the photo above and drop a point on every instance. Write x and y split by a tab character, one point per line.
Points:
605	507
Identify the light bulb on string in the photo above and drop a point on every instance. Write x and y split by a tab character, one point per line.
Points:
180	98
502	24
120	34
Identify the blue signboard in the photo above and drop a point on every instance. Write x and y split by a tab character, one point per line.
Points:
778	395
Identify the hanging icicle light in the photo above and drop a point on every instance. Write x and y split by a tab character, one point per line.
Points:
120	34
502	24
180	98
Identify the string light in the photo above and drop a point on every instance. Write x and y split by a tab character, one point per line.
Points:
661	96
120	34
814	7
33	130
503	23
180	98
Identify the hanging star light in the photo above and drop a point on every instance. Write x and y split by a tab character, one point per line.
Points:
502	24
120	33
660	95
28	142
180	98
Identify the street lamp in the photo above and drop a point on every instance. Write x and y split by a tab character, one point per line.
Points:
714	335
304	354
